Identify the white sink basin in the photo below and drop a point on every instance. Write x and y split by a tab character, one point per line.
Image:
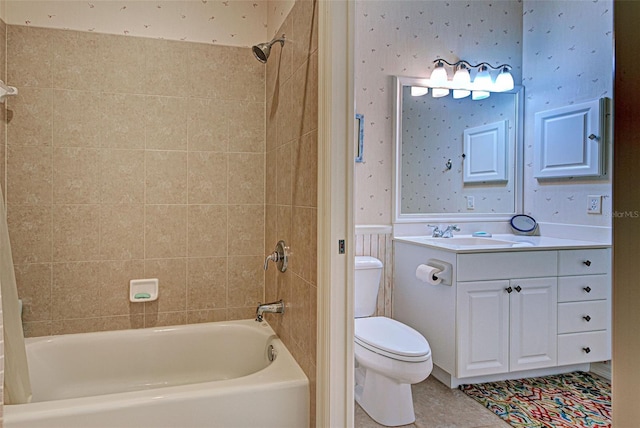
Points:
470	241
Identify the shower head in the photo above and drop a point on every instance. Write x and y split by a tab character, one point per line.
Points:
262	50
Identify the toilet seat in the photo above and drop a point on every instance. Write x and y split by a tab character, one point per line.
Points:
392	339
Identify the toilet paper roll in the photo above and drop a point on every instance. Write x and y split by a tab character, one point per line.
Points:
428	274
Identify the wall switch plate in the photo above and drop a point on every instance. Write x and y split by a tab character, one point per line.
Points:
594	204
471	203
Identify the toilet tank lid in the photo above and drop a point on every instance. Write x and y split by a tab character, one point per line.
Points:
367	262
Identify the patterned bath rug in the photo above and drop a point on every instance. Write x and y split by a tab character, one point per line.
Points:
562	401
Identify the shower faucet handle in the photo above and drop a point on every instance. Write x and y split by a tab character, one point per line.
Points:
279	256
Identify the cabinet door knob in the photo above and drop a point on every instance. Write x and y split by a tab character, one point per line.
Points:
587	263
508	290
587	318
586	350
587	289
518	288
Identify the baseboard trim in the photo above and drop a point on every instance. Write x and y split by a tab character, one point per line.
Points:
601	369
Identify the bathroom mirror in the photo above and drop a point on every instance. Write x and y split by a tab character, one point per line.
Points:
457	158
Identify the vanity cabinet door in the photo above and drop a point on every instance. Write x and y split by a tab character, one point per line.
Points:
533	322
483	328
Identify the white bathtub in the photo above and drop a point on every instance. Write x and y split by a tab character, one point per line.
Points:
202	375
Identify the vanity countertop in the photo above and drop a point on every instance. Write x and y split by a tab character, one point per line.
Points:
499	243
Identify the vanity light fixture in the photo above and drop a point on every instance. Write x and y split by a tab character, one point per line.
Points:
462	85
418	91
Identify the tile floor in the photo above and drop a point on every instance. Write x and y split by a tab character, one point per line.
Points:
437	406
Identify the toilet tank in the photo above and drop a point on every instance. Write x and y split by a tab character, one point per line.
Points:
368	271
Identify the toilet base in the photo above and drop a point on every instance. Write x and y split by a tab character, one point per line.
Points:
387	402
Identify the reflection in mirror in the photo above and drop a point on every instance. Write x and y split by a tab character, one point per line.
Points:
457	157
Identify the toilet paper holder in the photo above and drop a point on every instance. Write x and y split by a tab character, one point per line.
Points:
445	268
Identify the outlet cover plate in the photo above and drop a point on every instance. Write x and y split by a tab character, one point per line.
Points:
594	204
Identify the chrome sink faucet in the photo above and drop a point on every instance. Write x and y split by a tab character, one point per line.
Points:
273	307
437	232
448	232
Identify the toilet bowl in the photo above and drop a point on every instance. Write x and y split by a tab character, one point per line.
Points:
390	356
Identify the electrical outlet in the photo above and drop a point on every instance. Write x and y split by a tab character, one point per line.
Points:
471	203
594	204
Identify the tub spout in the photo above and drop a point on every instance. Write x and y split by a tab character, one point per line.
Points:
274	307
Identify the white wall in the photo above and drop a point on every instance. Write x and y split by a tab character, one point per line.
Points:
403	38
568	58
229	22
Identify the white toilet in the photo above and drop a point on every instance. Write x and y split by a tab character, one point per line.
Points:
390	356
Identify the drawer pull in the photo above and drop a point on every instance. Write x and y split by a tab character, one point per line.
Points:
518	288
586	350
508	290
587	318
587	289
587	263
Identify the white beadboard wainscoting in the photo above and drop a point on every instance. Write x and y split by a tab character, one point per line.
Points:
376	241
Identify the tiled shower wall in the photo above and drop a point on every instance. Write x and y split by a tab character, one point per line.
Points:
3	150
133	158
291	183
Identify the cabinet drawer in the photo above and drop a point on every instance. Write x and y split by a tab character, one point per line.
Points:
584	262
583	316
586	287
584	347
508	265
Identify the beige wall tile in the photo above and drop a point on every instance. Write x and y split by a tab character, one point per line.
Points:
208	70
299	311
305	170
73	326
245	313
208	124
245	281
166	177
166	67
207	178
162	319
76	115
122	176
30	233
288	128
166	123
213	315
34	288
271	236
76	61
114	277
122	60
123	121
31	56
75	291
271	127
207	230
165	231
284	223
245	76
246	178
37	328
76	175
29	175
172	285
271	174
247	131
122	232
280	70
123	322
75	232
284	169
31	113
304	243
246	230
305	31
206	283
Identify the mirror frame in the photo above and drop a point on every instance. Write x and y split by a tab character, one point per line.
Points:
398	217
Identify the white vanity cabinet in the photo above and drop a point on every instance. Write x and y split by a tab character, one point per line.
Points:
508	322
507	313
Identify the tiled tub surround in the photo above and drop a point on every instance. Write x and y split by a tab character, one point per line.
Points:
292	182
133	158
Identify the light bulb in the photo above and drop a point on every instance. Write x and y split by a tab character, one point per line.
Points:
439	92
460	93
439	75
504	81
418	91
483	81
462	78
479	95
